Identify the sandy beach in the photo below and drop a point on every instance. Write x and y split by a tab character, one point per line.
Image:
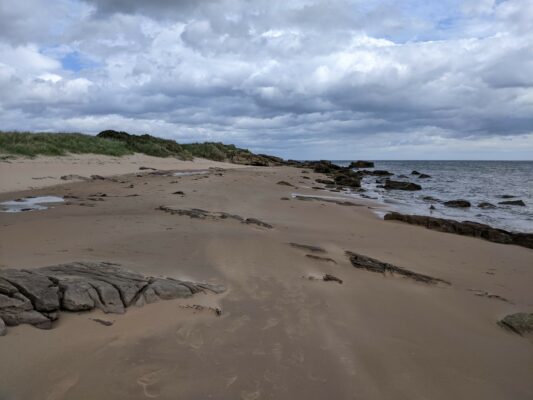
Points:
281	335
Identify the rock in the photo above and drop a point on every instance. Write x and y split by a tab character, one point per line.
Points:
203	214
284	198
284	183
37	288
35	296
430	199
361	164
168	289
415	173
424	176
486	205
324	167
466	228
319	258
348	178
457	203
307	247
398	185
506	196
373	265
102	321
331	278
521	323
3	329
179	192
377	172
147	168
432	207
325	181
71	177
513	203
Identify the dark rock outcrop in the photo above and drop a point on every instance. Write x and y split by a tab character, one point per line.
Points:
457	203
373	265
399	185
213	215
37	296
466	228
3	329
513	203
361	164
331	278
521	323
486	205
347	178
307	247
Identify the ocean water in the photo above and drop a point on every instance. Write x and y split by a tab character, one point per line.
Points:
475	181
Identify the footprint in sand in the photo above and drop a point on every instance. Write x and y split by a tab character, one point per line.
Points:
271	322
148	382
190	337
250	395
238	323
61	388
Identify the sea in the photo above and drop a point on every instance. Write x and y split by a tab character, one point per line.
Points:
475	181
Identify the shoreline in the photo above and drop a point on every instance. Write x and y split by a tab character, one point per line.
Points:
283	331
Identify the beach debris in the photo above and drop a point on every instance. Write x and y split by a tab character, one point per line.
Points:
284	183
36	296
400	185
373	265
72	177
513	203
213	215
319	258
457	203
307	247
197	307
520	323
465	228
331	278
483	293
102	321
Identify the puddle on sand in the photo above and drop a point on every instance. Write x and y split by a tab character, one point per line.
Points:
187	173
29	203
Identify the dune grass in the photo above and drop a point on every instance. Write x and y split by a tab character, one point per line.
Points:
58	144
114	143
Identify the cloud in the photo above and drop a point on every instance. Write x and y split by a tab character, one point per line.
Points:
300	79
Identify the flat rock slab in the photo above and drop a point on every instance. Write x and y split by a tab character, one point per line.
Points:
466	228
213	215
521	323
373	265
36	296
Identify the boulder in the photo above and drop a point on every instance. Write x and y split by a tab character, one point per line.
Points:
361	164
457	203
415	173
399	185
466	228
348	179
521	323
513	203
168	289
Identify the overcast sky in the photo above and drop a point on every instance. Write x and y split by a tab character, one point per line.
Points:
337	79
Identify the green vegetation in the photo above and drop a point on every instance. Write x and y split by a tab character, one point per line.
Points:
58	144
116	143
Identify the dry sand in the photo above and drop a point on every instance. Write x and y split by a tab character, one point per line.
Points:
281	335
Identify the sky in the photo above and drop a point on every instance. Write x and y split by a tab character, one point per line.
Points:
303	79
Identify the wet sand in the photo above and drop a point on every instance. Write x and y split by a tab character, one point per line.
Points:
280	335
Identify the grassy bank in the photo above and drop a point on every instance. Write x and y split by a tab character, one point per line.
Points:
115	143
